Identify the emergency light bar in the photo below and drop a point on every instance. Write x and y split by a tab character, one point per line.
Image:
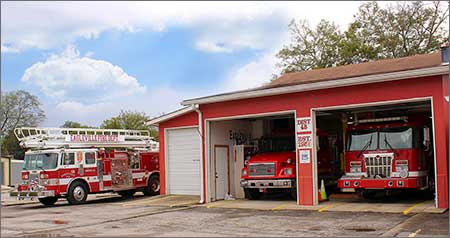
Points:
404	118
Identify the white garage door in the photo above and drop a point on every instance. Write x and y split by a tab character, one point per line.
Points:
183	161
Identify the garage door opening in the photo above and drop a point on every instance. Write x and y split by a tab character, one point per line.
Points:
252	158
382	153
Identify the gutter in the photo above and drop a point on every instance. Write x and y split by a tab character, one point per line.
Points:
196	108
437	70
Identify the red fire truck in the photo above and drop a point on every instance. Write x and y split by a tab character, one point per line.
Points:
274	171
386	154
74	162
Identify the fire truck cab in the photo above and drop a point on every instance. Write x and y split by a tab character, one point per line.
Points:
388	153
73	162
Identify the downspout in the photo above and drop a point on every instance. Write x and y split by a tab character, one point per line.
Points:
196	107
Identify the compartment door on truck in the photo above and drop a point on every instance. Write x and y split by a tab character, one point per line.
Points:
183	161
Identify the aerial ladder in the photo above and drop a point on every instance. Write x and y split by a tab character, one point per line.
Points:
53	138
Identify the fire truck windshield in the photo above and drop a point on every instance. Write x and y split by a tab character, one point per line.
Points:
357	140
396	138
40	161
383	139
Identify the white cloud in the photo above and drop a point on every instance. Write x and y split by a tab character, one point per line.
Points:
218	26
208	46
6	49
71	77
253	74
154	102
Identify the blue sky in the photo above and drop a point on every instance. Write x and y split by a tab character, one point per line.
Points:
144	56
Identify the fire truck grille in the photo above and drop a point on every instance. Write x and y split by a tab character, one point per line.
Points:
33	179
379	164
263	169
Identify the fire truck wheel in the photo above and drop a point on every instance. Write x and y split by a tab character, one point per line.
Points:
252	193
127	193
152	186
48	201
367	194
293	194
77	193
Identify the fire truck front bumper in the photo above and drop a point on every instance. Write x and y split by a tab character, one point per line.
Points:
22	195
350	184
269	183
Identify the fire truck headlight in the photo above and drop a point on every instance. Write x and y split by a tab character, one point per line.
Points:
289	161
288	171
355	166
243	172
401	166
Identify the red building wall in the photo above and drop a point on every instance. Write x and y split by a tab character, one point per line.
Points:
303	102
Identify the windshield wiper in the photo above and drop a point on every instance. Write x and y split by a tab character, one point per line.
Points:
390	146
365	147
40	167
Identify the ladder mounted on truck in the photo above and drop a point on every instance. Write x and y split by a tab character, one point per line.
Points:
52	138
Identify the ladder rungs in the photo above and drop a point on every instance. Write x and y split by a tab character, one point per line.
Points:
48	137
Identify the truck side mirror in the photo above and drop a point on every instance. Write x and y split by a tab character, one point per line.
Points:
426	138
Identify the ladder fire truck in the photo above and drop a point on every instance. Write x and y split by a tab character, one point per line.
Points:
75	162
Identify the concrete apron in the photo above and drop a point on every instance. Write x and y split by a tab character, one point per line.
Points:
165	201
340	205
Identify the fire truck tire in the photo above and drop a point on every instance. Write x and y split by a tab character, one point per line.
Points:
127	193
78	193
293	194
153	186
368	194
48	201
252	193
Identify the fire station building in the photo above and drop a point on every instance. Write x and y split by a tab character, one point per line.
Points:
204	145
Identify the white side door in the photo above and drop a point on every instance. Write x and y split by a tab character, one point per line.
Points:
222	171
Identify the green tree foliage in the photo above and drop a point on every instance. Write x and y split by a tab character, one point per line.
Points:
311	48
398	30
130	120
73	124
18	109
11	147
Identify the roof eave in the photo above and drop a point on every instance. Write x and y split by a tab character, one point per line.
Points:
375	78
170	115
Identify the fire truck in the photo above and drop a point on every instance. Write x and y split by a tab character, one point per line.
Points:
74	162
272	168
387	154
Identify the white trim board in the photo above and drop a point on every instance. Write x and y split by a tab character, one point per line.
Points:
170	115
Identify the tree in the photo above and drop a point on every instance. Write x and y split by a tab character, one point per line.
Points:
403	29
130	120
18	109
73	124
10	146
310	48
